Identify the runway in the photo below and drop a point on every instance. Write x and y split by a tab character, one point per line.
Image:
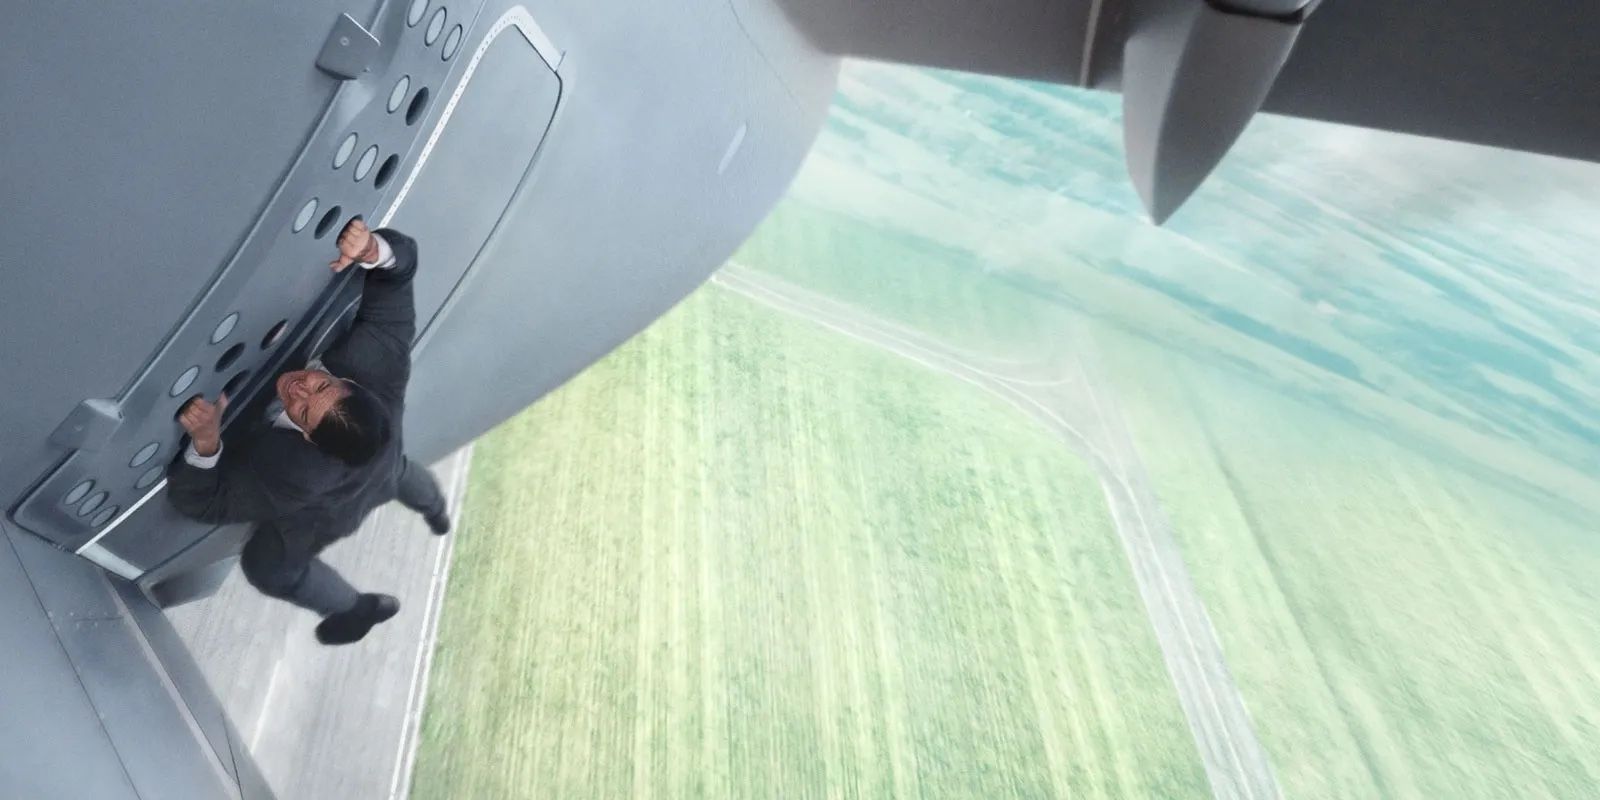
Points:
333	721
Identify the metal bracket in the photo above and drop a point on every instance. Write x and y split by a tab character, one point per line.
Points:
349	49
88	426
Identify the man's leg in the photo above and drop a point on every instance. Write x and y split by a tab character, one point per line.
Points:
418	491
283	566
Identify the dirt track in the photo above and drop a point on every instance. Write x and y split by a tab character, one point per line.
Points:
1064	396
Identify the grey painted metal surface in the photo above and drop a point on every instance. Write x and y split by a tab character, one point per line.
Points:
1517	75
624	210
349	49
1192	78
271	291
276	275
167	229
1514	75
483	155
195	693
98	700
1040	39
68	751
130	178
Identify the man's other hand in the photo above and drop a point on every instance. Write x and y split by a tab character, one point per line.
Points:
355	244
203	421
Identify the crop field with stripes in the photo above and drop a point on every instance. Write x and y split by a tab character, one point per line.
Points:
746	557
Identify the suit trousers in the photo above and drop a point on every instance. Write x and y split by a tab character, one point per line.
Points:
284	563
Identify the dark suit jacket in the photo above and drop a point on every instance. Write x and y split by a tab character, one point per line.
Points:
276	478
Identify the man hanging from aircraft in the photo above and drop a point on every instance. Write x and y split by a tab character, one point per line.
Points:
328	451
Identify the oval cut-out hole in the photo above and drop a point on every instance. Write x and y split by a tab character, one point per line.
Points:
185	380
303	219
229	356
149	478
275	334
435	27
145	454
224	328
95	500
419	104
235	383
397	95
327	222
368	159
346	149
451	43
78	493
386	171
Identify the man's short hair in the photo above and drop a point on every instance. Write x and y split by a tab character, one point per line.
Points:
354	430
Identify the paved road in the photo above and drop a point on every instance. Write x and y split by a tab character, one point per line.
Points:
326	722
1061	393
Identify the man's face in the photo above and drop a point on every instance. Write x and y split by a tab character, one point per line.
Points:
308	395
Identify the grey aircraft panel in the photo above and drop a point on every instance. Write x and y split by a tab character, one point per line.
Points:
120	201
99	698
1524	76
1180	119
1517	75
195	692
631	203
674	130
277	276
488	146
752	135
1038	39
125	680
65	750
1514	75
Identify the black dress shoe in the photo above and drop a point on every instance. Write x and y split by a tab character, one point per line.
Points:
351	626
438	522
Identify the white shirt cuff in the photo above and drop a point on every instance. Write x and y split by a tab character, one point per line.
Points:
198	461
385	255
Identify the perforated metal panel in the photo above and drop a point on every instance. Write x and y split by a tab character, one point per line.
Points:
277	277
489	135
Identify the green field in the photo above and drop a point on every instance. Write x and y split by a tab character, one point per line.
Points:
1399	628
1408	603
745	557
1373	432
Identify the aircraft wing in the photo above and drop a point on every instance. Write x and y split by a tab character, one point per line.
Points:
1524	76
1515	75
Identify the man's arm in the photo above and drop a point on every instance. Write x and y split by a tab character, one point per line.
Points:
205	485
376	350
224	493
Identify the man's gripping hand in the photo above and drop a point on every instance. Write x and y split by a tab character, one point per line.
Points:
355	244
203	421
